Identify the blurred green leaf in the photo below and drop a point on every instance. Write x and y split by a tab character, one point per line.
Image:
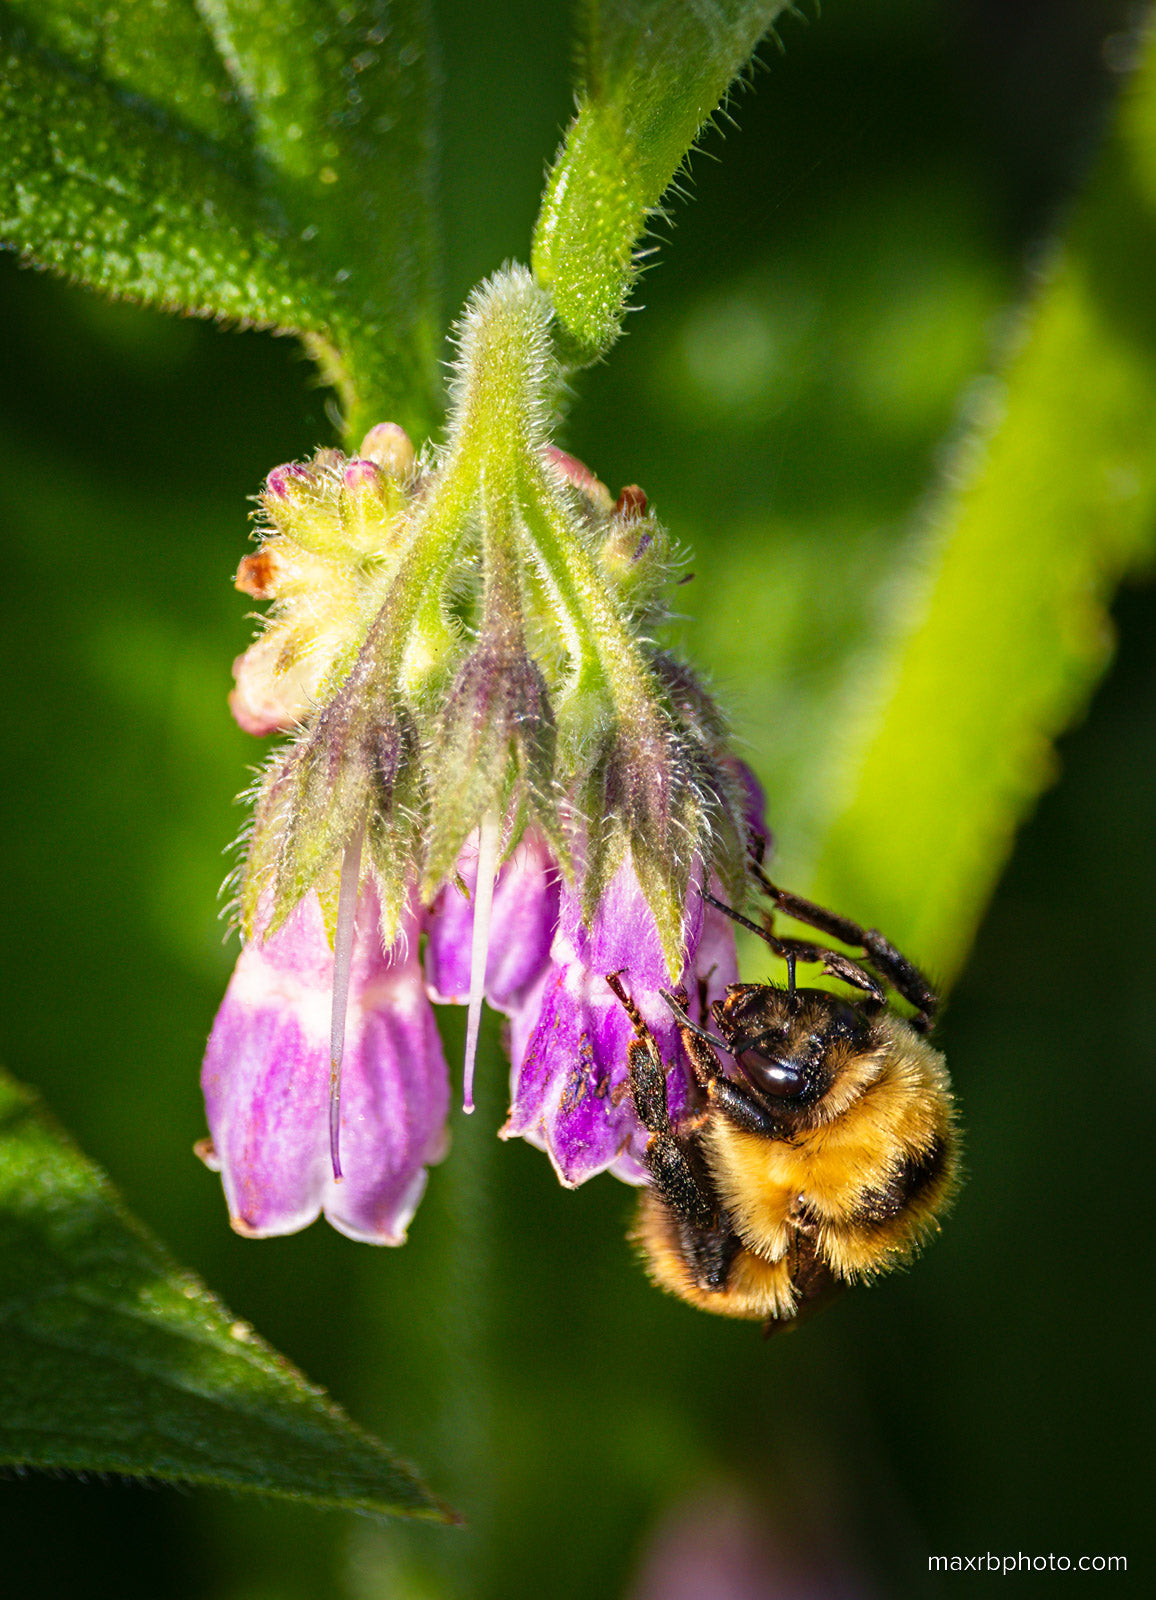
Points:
113	1360
266	161
653	74
1001	630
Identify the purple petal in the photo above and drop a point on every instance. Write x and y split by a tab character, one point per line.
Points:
754	802
716	1545
394	1101
622	934
266	1077
570	1094
522	924
266	1082
569	1036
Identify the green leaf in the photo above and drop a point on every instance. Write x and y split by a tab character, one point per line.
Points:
654	72
267	161
114	1360
1004	630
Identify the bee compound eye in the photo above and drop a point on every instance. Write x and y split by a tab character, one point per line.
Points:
783	1079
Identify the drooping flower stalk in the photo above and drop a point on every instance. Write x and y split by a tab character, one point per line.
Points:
487	748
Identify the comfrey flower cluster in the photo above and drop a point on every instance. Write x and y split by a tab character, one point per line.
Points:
497	787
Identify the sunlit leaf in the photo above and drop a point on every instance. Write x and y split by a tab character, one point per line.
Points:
113	1360
268	161
653	73
1003	629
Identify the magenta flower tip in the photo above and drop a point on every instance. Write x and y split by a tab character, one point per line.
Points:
361	474
281	480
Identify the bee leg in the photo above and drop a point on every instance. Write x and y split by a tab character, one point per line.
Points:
891	965
709	1251
800	910
904	977
647	1070
675	1167
836	965
682	1191
680	1182
812	1280
703	1060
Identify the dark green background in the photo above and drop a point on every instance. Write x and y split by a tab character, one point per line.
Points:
814	316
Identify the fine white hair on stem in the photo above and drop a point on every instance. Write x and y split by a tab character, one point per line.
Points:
488	830
342	962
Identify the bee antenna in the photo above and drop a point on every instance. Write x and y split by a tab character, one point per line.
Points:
743	922
784	952
692	1027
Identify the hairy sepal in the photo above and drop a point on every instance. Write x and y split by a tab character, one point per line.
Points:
357	764
716	771
642	797
494	752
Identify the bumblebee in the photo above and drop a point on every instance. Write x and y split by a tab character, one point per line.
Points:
819	1145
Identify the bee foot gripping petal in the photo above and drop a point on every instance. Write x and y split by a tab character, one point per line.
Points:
568	1084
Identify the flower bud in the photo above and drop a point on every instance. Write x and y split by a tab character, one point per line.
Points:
362	478
579	475
636	555
389	446
297	502
631	503
283	483
369	503
281	676
269	698
339	510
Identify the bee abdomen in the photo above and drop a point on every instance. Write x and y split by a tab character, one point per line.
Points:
920	1177
888	1222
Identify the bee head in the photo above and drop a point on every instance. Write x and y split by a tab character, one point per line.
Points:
791	1047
